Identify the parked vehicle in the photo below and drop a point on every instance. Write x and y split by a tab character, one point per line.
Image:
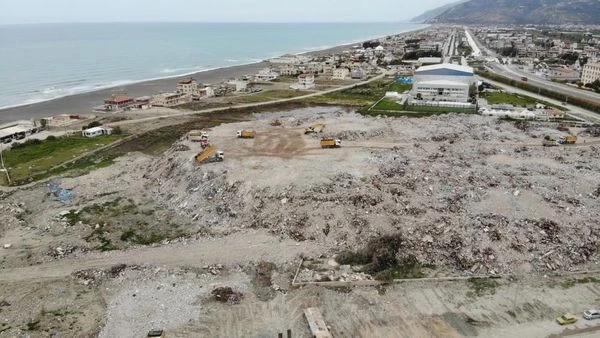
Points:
524	79
567	139
246	133
591	314
565	319
330	143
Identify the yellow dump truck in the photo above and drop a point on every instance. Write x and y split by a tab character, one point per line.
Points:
315	128
330	143
246	133
567	139
206	155
197	135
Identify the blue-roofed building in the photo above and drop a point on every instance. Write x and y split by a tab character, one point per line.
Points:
443	82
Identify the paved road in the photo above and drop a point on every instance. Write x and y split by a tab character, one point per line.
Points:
252	105
516	74
587	115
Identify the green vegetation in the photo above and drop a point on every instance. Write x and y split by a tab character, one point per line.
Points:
364	95
119	216
516	100
267	95
482	286
569	283
386	104
35	157
382	257
574	100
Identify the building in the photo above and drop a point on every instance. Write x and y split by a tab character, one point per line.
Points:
288	70
328	68
143	102
443	82
341	73
266	75
61	120
305	81
118	102
97	131
186	86
169	99
590	73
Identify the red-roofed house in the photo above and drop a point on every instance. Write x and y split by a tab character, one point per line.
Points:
118	102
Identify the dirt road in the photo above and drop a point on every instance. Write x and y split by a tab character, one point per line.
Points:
241	247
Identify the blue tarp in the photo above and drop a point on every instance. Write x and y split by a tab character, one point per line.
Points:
405	80
63	195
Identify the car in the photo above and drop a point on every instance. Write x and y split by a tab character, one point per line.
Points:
567	318
591	314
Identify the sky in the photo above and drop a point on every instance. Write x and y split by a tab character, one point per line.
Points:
51	11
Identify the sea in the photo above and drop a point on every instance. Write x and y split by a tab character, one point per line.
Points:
42	62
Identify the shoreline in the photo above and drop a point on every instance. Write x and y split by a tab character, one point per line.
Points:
82	103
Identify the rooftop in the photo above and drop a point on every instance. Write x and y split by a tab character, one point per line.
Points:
449	66
119	99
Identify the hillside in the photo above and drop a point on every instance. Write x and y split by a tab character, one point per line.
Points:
432	14
520	12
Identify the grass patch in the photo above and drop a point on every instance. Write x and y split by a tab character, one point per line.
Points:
36	158
516	100
569	283
387	104
363	95
482	286
267	95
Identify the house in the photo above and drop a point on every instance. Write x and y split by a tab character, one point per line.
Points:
186	86
169	99
118	102
341	73
265	75
97	131
357	74
61	120
328	68
238	85
143	102
305	81
288	70
203	91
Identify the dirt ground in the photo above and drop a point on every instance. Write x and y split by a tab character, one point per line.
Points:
470	196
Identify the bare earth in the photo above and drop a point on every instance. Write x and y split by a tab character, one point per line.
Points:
143	243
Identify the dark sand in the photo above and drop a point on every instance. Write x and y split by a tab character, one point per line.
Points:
83	103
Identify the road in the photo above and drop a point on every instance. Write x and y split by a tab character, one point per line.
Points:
252	105
516	74
237	248
581	113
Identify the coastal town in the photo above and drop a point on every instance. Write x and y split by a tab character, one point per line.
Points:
442	182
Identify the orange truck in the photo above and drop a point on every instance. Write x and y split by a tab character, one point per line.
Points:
246	133
330	143
567	139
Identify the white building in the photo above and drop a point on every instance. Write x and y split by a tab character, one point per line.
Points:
443	82
97	131
266	75
341	73
305	81
169	99
563	74
590	73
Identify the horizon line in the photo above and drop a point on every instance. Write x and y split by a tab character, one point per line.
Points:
211	22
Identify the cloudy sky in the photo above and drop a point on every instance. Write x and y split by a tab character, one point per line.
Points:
43	11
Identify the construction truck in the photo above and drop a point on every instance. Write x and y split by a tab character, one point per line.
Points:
197	135
246	133
331	143
209	154
549	142
156	333
315	128
567	139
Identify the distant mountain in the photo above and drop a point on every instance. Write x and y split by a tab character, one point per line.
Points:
431	14
519	12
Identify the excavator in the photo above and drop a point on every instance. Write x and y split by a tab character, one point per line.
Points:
205	156
315	128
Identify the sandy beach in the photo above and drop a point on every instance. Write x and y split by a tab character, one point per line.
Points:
84	102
